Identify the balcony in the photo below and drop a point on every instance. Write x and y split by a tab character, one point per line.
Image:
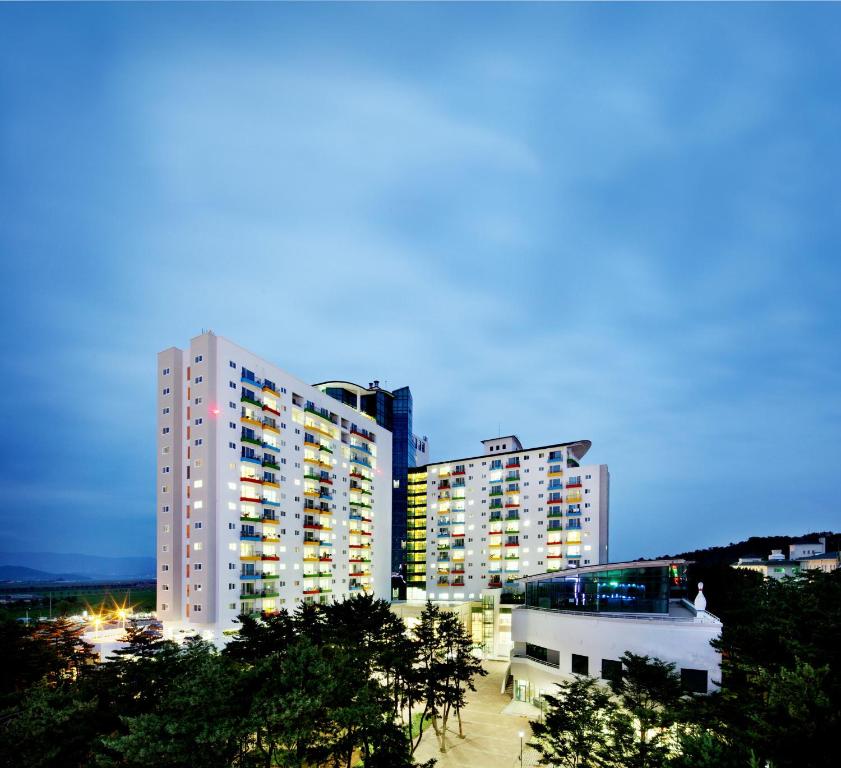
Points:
270	463
512	516
322	413
249	519
363	433
249	536
250	400
512	463
246	438
270	557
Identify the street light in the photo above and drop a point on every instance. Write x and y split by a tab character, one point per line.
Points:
522	735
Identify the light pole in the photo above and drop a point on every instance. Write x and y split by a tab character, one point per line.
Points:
522	735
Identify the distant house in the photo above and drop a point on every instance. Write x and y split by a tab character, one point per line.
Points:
823	561
775	567
800	551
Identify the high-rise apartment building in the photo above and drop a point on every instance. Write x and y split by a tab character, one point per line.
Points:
270	492
481	522
392	410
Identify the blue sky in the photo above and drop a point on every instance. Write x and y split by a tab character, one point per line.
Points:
619	223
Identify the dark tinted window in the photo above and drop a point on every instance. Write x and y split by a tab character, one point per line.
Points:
611	669
580	664
694	680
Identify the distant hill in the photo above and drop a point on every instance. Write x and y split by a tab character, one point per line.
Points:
88	566
21	573
756	546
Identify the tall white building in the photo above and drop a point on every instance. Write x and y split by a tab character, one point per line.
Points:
484	521
270	492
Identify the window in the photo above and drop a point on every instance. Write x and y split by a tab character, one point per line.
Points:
197	547
198	380
197	401
166	391
580	664
232	364
164	567
165	470
166	372
611	670
198	422
165	431
694	680
197	441
197	525
546	655
232	445
197	567
165	587
199	358
165	508
165	411
232	385
196	607
164	606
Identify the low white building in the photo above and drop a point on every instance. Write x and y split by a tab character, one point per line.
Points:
824	561
772	568
799	551
581	622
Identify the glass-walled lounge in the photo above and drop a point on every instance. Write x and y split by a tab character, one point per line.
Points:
619	590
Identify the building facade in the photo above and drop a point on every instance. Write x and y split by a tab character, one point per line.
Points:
822	561
581	622
484	521
772	568
394	411
270	492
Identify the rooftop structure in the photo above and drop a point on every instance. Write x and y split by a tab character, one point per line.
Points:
581	622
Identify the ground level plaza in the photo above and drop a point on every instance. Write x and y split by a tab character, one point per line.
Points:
492	724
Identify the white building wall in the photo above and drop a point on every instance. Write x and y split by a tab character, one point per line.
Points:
170	483
213	554
684	642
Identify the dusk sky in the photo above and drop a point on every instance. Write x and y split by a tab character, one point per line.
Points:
619	223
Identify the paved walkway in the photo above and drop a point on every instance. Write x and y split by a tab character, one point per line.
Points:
491	736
